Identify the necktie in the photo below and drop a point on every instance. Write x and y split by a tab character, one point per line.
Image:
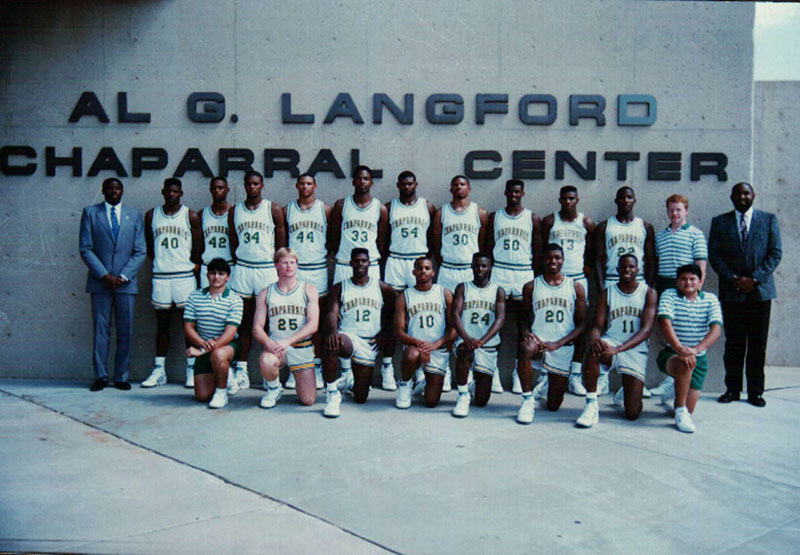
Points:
114	223
743	229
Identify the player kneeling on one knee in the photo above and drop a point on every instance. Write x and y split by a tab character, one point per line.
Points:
289	310
478	314
618	340
554	308
420	324
211	318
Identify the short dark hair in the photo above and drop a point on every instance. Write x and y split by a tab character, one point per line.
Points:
514	183
459	176
553	247
629	255
406	173
624	188
423	257
253	173
689	269
568	189
109	180
483	254
219	265
358	250
170	181
306	174
743	183
362	168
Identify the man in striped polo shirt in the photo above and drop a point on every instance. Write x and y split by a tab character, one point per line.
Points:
678	244
691	321
210	321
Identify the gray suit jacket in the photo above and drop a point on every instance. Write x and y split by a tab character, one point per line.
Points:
757	260
103	256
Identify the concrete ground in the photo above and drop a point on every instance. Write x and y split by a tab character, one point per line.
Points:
152	471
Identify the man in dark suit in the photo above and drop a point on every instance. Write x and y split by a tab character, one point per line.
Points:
112	247
744	249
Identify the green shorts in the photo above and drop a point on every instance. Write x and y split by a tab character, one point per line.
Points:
202	364
698	374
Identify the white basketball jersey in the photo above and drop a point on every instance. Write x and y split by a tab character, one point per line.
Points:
459	235
553	308
478	313
172	242
572	238
624	312
307	234
286	311
513	237
409	225
359	229
624	239
256	233
215	236
360	308
425	313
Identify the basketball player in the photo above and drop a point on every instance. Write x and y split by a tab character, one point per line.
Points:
555	307
210	321
618	235
478	313
573	231
214	222
307	231
420	323
410	224
514	241
622	323
354	319
174	241
290	309
459	231
255	229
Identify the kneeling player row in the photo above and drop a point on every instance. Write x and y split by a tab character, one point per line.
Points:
430	322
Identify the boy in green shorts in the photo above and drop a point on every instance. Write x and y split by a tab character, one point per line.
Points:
691	321
210	321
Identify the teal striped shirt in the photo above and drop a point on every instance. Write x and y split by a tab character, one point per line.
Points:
690	320
211	315
676	248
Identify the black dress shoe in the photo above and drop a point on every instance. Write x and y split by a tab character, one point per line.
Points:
98	385
124	386
756	400
728	396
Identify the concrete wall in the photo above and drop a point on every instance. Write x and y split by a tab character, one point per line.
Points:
776	173
694	58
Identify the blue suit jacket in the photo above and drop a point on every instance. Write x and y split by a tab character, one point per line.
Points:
104	256
757	260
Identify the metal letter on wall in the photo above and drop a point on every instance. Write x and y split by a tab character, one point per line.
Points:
472	156
577	110
625	100
452	108
213	107
546	119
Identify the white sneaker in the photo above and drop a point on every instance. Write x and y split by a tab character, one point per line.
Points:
403	400
346	381
646	393
590	415
619	398
157	377
448	381
233	387
318	377
526	410
271	397
332	401
602	384
516	386
540	391
462	405
219	400
387	375
290	383
684	421
576	385
243	379
497	386
189	377
666	383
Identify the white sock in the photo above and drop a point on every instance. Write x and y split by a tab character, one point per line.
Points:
317	362
591	396
387	361
333	386
526	394
274	384
679	410
347	365
402	383
223	389
161	361
575	367
190	362
463	388
241	366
